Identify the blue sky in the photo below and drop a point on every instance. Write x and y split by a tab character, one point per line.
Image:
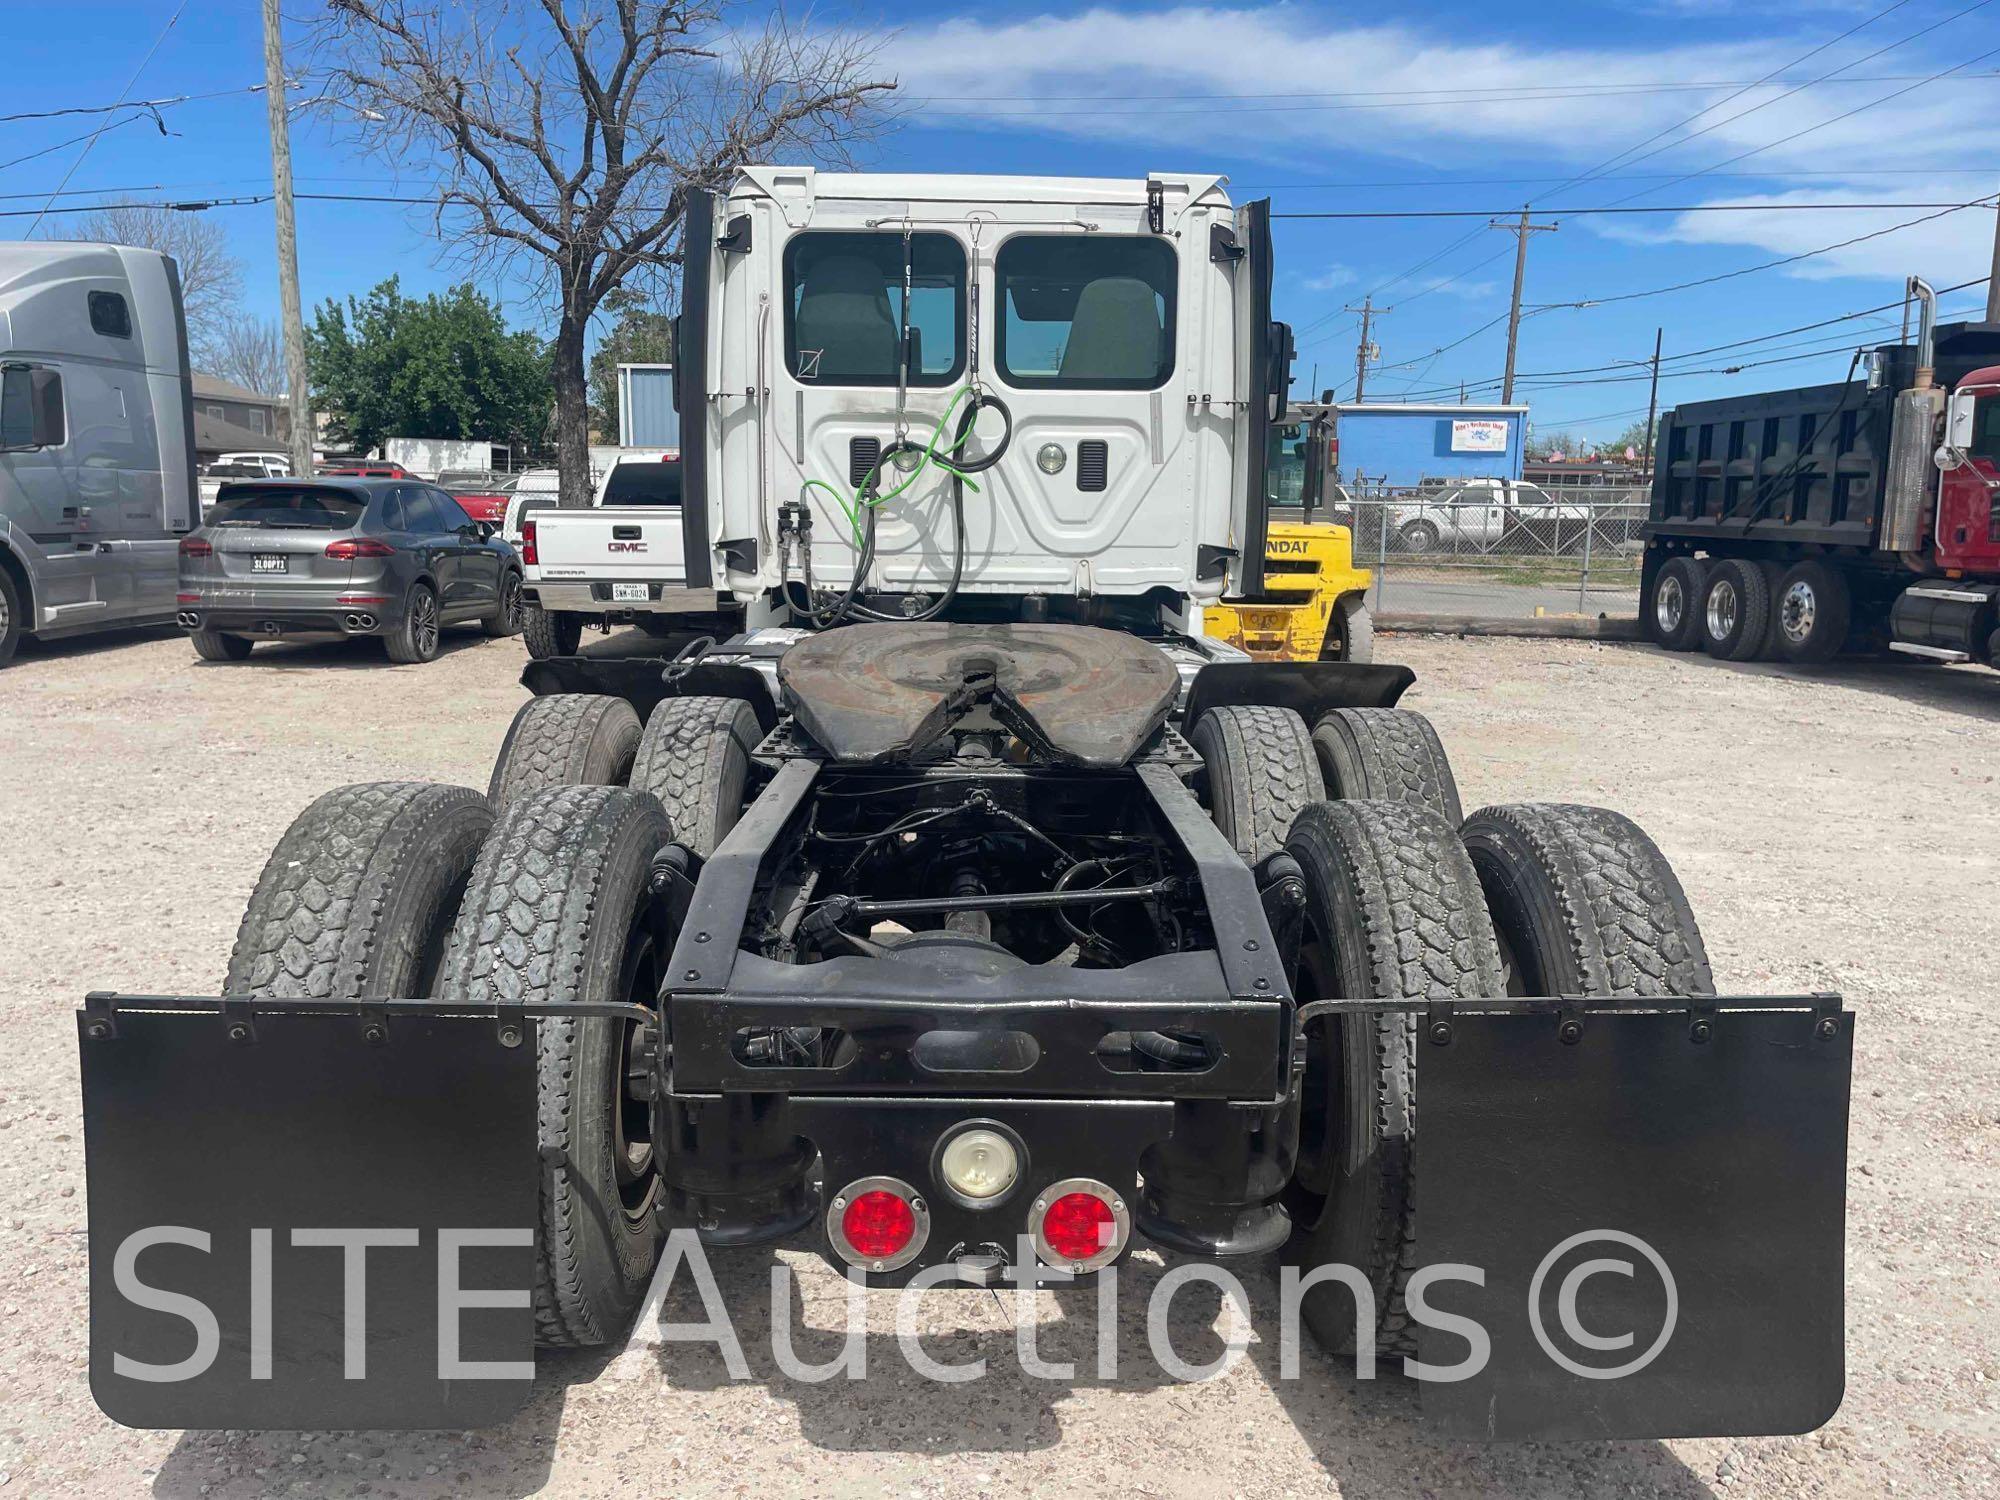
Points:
1450	107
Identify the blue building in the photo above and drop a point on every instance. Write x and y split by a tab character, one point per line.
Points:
1402	445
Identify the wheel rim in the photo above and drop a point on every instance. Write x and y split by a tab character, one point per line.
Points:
512	607
1670	606
1797	612
631	1123
424	622
1722	611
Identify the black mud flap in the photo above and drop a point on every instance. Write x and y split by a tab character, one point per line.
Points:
1657	1205
307	1219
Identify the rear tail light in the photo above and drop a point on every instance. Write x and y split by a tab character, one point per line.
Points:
194	546
878	1223
1079	1224
529	555
187	598
349	548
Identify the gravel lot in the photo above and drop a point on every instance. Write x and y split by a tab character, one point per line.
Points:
1839	832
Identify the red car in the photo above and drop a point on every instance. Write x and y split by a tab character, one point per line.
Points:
483	496
364	469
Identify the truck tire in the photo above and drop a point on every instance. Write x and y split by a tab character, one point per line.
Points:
358	897
1393	912
1671	610
563	879
418	633
1418	536
510	614
1736	610
695	757
1350	633
1585	904
565	739
1810	612
213	645
552	632
1385	755
13	616
1261	773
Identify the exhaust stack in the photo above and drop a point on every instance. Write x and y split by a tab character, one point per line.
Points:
1911	481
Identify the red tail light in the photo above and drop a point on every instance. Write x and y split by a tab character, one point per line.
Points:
194	546
529	556
1079	1224
349	548
878	1223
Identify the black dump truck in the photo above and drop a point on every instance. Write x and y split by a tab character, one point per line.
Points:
1859	516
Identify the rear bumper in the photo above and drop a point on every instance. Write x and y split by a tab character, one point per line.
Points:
584	597
276	614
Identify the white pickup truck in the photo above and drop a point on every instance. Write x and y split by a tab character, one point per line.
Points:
620	562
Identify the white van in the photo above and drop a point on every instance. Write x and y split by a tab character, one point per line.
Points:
97	467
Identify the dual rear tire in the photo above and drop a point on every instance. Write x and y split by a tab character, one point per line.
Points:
1406	903
410	890
1738	609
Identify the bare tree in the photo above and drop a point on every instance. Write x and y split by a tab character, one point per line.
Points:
568	134
211	278
251	352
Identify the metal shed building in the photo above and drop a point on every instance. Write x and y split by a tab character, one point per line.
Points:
1402	445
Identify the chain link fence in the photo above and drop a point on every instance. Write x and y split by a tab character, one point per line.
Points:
1499	550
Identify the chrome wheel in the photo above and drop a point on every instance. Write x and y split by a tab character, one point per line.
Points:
1797	611
424	622
1722	610
1670	605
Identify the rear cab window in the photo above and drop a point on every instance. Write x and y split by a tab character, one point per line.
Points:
653	483
276	506
1085	312
844	312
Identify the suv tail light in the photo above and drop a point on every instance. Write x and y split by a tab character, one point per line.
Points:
1079	1224
349	548
878	1223
529	556
194	546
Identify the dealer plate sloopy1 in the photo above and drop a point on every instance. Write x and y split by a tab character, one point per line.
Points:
268	562
630	593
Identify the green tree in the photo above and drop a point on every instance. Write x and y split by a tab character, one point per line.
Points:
640	336
442	366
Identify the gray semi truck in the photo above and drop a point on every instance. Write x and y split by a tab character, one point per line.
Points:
97	465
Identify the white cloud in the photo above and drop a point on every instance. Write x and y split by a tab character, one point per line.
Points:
1947	248
1259	80
1330	279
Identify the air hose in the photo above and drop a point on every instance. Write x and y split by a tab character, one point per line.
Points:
867	499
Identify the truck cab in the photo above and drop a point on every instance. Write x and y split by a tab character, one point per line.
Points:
97	471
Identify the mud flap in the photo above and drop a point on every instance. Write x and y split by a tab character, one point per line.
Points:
1656	1200
306	1219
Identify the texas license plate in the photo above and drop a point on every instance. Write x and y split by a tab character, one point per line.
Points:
268	562
630	593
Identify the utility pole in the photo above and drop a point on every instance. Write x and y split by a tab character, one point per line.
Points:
289	311
1653	398
1521	231
1992	286
1365	351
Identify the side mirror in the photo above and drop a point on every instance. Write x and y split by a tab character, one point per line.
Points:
1282	354
1958	420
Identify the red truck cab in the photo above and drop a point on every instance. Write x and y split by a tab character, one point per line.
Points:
1967	528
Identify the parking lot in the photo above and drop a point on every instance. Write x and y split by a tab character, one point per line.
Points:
1838	831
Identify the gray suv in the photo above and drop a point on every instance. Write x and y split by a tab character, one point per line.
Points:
285	559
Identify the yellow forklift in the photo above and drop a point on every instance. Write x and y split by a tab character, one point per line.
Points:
1314	606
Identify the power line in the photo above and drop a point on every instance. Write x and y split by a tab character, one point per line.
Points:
1625	157
1609	208
91	140
1769	265
154	105
1808	130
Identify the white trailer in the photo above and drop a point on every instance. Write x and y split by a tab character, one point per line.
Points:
97	459
430	457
